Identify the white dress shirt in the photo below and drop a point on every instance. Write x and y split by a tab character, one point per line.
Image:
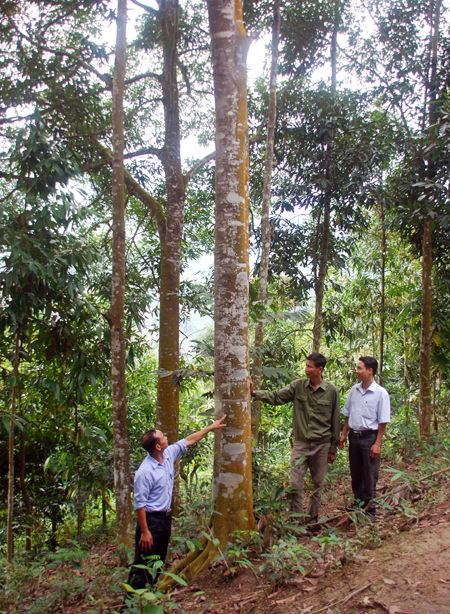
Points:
153	481
366	410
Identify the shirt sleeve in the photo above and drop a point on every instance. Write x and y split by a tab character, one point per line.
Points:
335	423
384	408
347	404
277	397
142	486
175	450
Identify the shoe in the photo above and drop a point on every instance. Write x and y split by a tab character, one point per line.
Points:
313	526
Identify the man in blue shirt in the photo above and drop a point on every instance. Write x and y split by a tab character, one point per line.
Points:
153	485
367	411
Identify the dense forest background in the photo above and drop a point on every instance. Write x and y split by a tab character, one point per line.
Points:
352	250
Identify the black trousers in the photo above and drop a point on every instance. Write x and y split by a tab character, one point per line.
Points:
363	469
159	525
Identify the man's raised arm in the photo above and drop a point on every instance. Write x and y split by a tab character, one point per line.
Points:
195	437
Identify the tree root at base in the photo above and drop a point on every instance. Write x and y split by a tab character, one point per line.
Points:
191	565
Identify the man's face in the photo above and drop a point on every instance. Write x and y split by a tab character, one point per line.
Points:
311	370
163	441
362	372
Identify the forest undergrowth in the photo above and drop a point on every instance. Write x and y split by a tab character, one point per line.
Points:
279	566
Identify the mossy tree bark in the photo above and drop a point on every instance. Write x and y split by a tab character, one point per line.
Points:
232	491
265	214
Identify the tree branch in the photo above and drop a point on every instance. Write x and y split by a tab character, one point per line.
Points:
149	9
201	163
133	187
145	75
152	151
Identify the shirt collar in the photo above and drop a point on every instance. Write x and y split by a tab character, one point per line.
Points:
323	384
152	460
372	387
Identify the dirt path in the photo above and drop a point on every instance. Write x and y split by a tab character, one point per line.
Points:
411	575
408	574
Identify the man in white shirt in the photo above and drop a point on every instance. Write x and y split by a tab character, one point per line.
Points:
367	411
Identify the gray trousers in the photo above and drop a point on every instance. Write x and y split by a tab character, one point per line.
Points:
315	457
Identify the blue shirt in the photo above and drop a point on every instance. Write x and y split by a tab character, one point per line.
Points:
153	481
366	410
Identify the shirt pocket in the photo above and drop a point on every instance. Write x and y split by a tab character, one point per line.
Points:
302	401
369	410
324	407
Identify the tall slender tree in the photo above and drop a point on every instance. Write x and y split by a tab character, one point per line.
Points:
10	501
116	313
425	409
265	212
323	225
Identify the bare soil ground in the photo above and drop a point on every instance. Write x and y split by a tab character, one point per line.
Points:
401	566
404	569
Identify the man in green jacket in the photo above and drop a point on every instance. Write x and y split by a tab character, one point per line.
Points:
316	429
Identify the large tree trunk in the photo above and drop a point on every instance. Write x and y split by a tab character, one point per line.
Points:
232	492
10	495
427	251
382	292
116	314
232	487
326	232
169	354
265	214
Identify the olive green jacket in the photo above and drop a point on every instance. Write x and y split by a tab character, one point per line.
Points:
316	415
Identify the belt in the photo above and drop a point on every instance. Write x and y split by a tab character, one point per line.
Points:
160	514
363	433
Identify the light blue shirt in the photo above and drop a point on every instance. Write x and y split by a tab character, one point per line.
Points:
153	481
366	410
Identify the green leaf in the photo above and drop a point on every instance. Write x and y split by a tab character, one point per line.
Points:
190	544
129	588
6	424
176	578
153	609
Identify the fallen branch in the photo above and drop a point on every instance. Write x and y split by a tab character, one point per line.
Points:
341	601
432	475
360	590
332	602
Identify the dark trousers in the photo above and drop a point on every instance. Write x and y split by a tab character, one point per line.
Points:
363	469
159	526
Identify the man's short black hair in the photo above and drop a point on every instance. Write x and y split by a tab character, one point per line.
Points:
370	363
318	359
149	441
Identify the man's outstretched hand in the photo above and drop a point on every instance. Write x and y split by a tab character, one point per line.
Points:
195	437
252	390
218	424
